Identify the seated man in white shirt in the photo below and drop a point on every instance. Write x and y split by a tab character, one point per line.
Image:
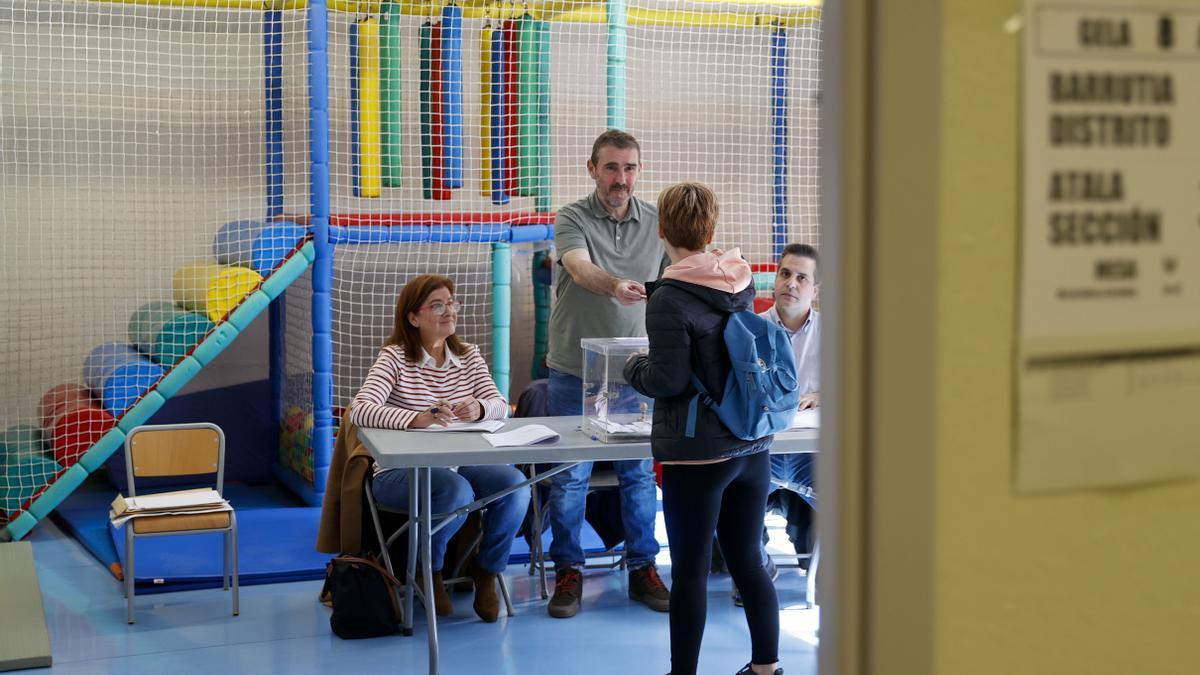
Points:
796	286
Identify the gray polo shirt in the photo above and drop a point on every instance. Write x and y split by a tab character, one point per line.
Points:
629	249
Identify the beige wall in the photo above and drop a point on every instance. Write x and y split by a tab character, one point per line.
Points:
1089	582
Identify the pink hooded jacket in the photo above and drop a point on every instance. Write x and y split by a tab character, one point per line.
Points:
719	270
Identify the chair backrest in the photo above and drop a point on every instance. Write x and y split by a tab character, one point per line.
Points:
175	450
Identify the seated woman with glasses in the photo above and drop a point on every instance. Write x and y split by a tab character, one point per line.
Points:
426	375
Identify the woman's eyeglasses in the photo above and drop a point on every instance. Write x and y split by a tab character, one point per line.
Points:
439	308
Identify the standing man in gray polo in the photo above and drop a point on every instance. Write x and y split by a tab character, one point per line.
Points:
608	246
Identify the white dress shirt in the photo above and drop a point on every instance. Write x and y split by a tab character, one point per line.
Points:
806	345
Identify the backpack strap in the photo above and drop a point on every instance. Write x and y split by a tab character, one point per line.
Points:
693	407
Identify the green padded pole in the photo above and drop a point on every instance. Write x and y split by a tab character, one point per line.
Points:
426	65
527	106
618	21
392	112
541	314
501	314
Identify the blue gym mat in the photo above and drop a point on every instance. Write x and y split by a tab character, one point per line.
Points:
276	533
274	545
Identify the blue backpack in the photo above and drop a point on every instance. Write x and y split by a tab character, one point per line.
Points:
761	393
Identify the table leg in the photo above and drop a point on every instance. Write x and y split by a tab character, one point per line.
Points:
410	573
810	595
426	521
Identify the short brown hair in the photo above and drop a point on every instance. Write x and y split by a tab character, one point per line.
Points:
617	139
803	251
687	214
412	297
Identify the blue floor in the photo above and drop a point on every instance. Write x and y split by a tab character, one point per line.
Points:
282	628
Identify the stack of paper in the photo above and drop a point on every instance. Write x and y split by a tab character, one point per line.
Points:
201	500
531	434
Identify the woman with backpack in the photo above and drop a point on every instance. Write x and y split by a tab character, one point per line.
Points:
712	479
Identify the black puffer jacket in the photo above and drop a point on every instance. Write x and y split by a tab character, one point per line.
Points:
686	325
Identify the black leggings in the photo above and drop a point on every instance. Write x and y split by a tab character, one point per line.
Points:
729	497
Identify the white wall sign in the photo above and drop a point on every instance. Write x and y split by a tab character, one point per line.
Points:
1108	371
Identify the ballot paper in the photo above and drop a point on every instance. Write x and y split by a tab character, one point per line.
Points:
807	419
527	435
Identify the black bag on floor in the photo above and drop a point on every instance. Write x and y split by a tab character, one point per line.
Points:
364	597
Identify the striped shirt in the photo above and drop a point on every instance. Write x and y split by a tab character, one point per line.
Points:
397	389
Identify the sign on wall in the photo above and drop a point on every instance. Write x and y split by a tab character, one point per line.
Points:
1108	370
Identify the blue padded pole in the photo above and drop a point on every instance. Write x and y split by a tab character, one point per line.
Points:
452	88
501	313
273	86
618	21
779	140
322	276
273	98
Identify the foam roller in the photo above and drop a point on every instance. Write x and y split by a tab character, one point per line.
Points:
212	290
61	399
177	336
75	432
120	375
25	478
21	440
255	244
147	320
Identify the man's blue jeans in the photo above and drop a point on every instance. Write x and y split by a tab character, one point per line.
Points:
449	491
568	492
796	468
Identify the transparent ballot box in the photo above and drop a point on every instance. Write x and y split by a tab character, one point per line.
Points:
612	410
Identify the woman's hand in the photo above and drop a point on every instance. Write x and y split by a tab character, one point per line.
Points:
440	413
470	410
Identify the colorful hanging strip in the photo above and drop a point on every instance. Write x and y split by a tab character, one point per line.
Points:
452	92
389	65
425	38
370	169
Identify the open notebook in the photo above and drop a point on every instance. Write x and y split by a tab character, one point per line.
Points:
528	435
486	426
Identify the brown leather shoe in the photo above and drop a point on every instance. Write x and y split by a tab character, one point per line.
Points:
487	602
645	586
441	599
568	591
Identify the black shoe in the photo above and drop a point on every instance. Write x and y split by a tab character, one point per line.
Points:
746	671
568	592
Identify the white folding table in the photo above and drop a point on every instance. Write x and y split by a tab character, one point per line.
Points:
419	453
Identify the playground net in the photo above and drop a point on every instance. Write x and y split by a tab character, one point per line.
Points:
135	142
156	158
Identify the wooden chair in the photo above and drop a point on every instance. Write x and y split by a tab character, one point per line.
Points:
179	450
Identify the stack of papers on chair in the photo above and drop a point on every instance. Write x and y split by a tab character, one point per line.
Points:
201	500
486	425
527	435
